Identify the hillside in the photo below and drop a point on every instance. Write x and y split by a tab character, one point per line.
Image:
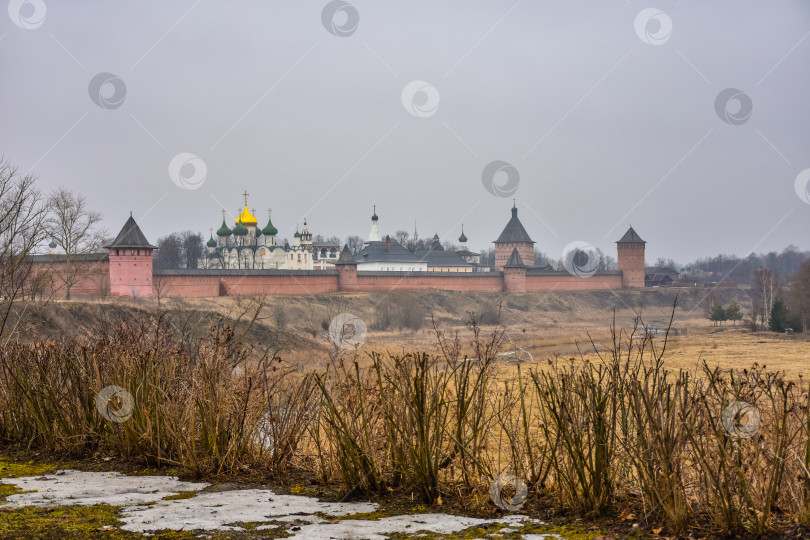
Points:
402	318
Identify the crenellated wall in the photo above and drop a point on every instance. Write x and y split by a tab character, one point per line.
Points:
565	282
200	283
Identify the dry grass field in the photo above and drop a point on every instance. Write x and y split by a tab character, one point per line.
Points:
539	326
230	386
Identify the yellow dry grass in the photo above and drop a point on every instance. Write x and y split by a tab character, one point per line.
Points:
540	326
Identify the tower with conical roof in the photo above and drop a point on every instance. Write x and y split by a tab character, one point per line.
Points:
514	273
630	258
374	234
513	237
347	270
131	262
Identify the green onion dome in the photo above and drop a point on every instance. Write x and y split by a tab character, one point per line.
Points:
211	243
240	230
269	230
224	230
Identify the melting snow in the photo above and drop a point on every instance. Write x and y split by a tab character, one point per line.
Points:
217	510
88	488
144	510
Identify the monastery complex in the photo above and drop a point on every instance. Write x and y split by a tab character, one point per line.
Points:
246	260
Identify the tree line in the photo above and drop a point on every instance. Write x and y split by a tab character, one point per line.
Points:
731	268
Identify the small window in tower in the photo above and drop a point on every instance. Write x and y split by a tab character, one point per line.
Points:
132	252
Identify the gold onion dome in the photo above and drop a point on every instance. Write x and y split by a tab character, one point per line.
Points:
247	218
224	230
240	230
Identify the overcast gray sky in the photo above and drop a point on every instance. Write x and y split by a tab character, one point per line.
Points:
607	113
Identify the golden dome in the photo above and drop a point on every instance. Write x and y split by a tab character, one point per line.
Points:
247	218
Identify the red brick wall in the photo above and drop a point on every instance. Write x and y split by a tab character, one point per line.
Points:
97	282
514	279
93	278
572	283
131	274
462	281
224	285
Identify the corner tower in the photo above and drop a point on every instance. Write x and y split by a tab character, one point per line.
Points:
630	258
347	270
513	237
514	273
131	262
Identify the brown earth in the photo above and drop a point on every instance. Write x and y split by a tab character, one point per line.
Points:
538	325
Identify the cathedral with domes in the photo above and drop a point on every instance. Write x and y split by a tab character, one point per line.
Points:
248	247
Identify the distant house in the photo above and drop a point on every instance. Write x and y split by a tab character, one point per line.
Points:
668	270
389	256
657	280
444	261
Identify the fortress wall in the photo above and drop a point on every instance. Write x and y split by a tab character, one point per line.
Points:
289	283
211	283
245	285
187	286
461	281
93	278
572	283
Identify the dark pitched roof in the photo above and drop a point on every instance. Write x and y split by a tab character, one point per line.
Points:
630	237
514	231
130	237
671	272
467	253
375	252
441	258
514	260
346	257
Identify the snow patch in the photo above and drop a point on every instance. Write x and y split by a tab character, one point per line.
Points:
71	487
145	511
409	524
219	510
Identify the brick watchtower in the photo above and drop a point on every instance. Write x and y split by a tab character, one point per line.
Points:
347	271
513	237
514	273
630	258
131	262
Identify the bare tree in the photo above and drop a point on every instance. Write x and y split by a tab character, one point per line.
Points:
355	244
21	229
402	237
160	286
764	291
73	228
